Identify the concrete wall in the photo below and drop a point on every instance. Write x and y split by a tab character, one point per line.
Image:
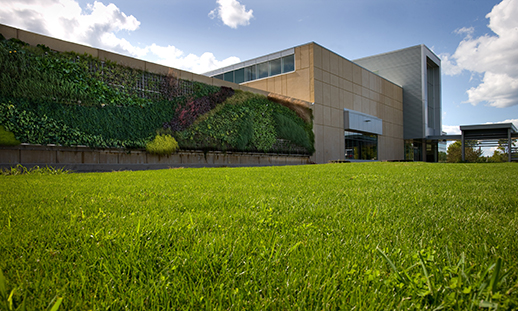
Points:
65	46
333	83
85	159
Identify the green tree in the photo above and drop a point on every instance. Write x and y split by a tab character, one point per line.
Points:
442	156
497	156
501	154
472	153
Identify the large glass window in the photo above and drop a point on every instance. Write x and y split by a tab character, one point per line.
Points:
239	75
359	146
250	73
262	70
275	67
288	63
433	93
228	76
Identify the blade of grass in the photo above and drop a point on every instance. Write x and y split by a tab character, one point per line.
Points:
495	277
3	288
56	304
391	264
10	300
425	271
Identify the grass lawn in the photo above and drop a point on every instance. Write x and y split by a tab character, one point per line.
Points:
374	236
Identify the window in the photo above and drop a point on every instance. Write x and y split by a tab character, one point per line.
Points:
239	75
275	67
288	63
228	76
262	70
250	73
432	93
360	146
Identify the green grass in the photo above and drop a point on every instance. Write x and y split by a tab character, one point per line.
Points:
374	236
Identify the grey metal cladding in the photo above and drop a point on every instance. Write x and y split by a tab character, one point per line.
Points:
404	67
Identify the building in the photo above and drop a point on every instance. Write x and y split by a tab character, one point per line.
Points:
367	109
383	107
418	71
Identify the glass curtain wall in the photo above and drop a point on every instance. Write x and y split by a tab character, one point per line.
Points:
359	146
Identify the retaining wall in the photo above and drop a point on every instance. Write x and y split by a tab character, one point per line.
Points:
86	159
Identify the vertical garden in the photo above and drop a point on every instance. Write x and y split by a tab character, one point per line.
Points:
49	97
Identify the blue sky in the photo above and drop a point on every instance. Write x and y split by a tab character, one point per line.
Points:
477	40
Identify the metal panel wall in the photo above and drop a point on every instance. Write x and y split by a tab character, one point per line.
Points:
407	67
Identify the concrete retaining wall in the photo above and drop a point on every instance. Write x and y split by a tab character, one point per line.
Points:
85	159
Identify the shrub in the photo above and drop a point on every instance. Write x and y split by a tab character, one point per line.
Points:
7	138
162	145
22	170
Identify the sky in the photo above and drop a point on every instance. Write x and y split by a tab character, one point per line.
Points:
477	40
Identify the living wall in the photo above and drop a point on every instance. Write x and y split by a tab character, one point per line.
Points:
47	97
249	122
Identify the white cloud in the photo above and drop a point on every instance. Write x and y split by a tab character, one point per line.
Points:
467	31
98	25
447	65
451	129
493	56
513	121
173	57
232	13
498	89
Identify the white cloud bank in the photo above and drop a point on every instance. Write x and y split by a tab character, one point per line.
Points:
232	13
494	56
98	26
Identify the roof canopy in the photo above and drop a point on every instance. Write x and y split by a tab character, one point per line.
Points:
488	131
499	131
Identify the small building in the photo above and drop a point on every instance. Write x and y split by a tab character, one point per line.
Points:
383	107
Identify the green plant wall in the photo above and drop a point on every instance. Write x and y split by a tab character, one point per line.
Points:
68	99
252	124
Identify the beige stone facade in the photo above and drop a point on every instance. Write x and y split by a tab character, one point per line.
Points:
333	84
